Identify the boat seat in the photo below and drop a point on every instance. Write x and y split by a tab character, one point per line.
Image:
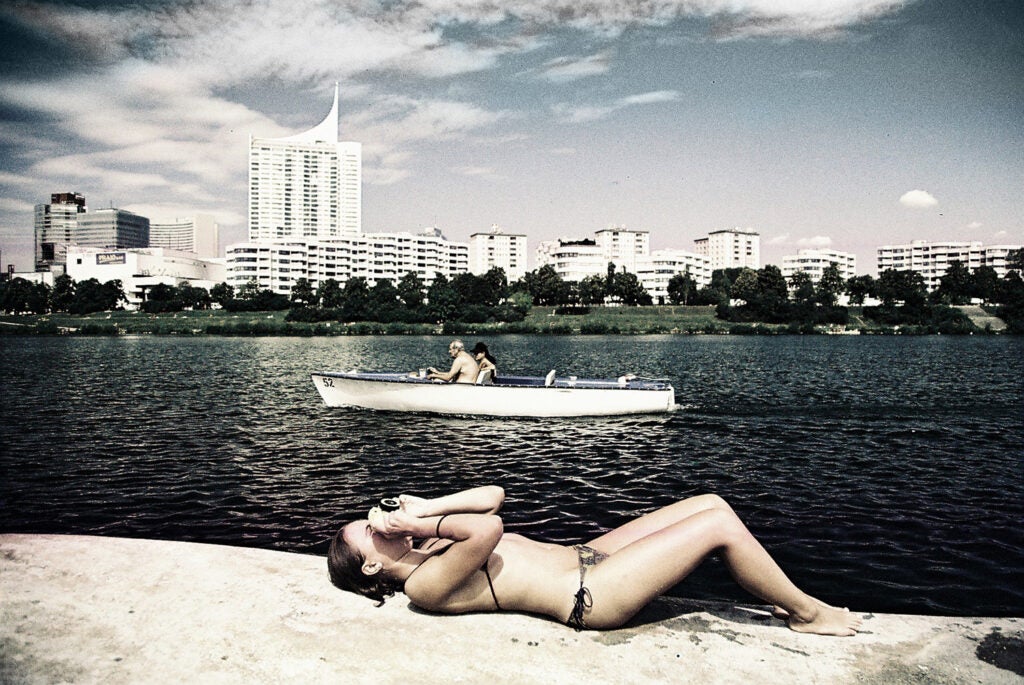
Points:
549	380
484	377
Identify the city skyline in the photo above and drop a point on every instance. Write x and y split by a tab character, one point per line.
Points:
845	125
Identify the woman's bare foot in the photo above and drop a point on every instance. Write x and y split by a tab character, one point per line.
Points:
780	613
827	621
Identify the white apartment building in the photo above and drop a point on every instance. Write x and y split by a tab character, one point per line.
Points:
623	247
306	186
731	248
139	269
814	263
932	259
198	234
573	260
657	269
496	248
277	265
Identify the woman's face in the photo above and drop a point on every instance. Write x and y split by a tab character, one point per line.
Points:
373	546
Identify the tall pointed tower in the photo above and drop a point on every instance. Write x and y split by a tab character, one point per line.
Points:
305	186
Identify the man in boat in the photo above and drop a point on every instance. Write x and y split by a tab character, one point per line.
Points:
464	367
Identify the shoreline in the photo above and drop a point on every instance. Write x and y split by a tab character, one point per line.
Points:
117	610
653	320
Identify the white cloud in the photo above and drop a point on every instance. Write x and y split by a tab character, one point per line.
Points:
975	225
581	114
782	239
572	68
10	204
918	199
815	242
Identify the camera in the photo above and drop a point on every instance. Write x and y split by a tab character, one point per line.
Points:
389	504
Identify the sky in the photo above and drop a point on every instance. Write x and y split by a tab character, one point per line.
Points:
844	124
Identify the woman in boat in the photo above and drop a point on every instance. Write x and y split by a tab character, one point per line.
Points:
486	361
466	562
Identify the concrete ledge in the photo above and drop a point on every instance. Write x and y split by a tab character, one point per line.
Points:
81	609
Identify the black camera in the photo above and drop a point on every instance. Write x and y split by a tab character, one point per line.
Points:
389	504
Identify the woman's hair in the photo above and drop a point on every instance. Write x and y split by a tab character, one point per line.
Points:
346	568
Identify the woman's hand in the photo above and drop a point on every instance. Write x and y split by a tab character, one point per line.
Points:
414	506
392	524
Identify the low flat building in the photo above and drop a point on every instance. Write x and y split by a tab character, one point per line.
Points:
140	269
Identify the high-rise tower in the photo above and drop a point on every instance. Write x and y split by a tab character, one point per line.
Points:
305	186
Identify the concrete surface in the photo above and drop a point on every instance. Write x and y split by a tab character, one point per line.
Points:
79	609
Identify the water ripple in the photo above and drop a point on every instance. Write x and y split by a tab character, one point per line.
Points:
883	473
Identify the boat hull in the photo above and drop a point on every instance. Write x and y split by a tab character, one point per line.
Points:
518	396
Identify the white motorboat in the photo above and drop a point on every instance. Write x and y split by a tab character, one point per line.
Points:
508	396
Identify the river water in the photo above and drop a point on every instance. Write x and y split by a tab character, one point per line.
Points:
883	473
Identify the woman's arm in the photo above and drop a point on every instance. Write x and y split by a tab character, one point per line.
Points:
486	499
436	586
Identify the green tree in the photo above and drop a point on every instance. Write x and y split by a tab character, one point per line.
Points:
591	290
771	283
1015	261
410	290
63	295
803	287
160	298
681	288
495	287
859	288
745	287
442	300
355	300
628	290
249	291
92	296
222	293
23	297
830	286
384	303
955	285
985	284
302	293
901	286
547	287
330	294
193	297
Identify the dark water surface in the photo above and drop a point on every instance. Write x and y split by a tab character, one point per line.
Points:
883	473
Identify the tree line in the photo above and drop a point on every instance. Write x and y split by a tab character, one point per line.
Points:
739	295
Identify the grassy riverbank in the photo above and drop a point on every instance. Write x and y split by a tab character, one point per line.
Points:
541	320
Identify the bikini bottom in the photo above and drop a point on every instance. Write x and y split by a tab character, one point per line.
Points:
583	602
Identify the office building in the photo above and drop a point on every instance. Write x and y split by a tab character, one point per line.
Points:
198	234
731	248
307	186
110	227
67	221
55	226
496	248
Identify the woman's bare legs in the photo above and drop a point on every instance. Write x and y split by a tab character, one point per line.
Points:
647	566
638	528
